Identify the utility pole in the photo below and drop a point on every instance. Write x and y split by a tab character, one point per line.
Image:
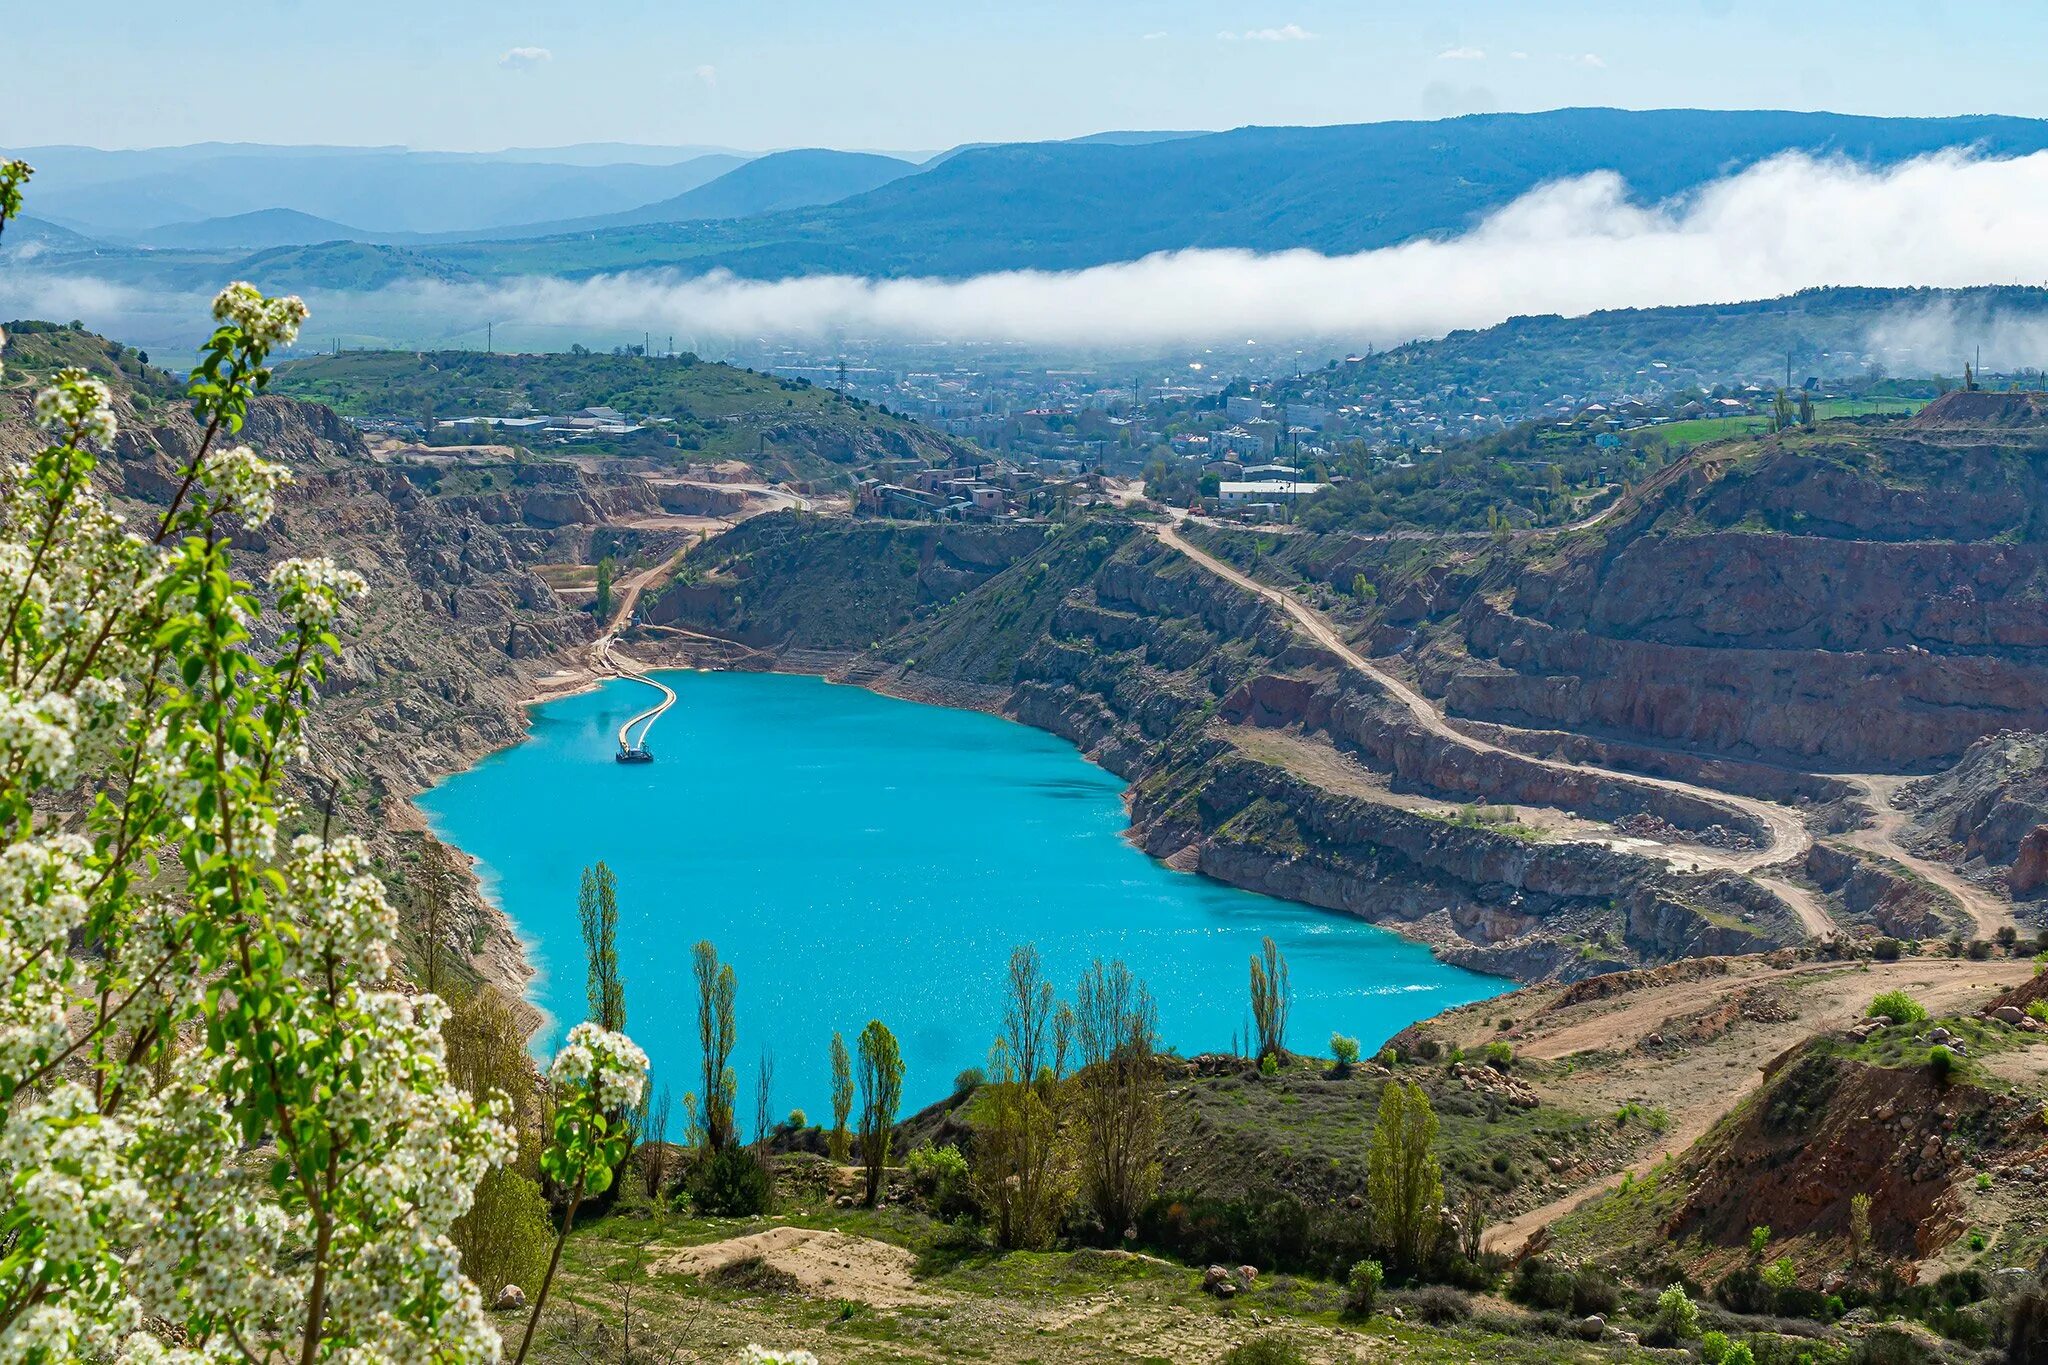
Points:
487	338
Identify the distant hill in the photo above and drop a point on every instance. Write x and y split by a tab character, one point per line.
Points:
1069	205
780	180
255	231
41	235
767	184
380	190
785	428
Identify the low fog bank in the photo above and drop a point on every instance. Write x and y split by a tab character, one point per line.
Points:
1571	247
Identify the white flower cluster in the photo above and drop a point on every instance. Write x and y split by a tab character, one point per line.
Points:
42	898
340	908
245	483
77	405
38	734
312	592
761	1355
609	1065
270	322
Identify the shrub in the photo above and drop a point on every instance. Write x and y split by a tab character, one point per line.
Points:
1892	1346
732	1183
969	1079
1269	1065
1714	1348
1267	1350
1742	1290
1344	1050
1886	949
939	1175
1898	1007
1595	1291
1539	1283
1759	1238
1941	1062
1388	1057
1678	1317
1979	950
1500	1056
797	1121
1362	1288
1781	1273
1440	1306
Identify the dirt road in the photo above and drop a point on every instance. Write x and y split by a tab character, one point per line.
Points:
1788	834
1882	837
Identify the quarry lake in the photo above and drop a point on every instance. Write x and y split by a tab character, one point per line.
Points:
859	857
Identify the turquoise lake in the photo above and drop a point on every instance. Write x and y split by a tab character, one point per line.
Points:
857	857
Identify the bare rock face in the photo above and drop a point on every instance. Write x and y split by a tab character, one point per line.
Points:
1868	601
2029	870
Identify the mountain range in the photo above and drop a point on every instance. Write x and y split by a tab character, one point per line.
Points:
1047	205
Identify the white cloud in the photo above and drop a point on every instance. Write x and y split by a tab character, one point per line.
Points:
525	58
1569	247
706	74
1156	36
1463	54
1592	59
1518	56
1286	33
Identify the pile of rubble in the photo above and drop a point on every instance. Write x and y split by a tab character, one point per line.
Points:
1643	825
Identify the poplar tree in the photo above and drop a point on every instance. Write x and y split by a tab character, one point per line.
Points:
716	1036
1403	1178
841	1142
881	1091
598	908
1272	998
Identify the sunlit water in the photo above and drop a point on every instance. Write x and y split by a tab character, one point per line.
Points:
858	857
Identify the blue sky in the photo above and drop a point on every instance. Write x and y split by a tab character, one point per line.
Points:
484	74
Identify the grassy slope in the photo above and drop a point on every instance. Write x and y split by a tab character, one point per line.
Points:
716	411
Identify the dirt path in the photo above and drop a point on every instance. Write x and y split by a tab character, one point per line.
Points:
1788	834
1881	837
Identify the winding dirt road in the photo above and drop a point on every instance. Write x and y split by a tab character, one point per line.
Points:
1788	833
1882	837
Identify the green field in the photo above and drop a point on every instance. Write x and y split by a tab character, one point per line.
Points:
1699	430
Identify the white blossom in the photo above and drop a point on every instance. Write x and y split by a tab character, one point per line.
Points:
312	592
271	322
609	1065
77	403
245	483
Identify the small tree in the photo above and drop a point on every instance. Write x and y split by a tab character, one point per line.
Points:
1345	1053
1677	1316
716	1035
604	591
1859	1228
1118	1093
841	1143
654	1151
1402	1175
1272	998
597	907
1362	1289
881	1090
1023	1167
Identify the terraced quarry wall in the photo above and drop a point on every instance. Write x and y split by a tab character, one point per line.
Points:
1864	600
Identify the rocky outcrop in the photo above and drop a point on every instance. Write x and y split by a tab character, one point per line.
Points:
793	579
1869	602
1988	806
1825	1127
